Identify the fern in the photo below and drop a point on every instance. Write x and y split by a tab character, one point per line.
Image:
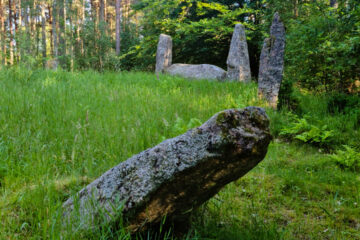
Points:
349	158
302	130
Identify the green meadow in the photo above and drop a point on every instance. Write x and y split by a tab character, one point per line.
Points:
61	130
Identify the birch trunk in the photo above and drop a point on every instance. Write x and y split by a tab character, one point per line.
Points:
43	33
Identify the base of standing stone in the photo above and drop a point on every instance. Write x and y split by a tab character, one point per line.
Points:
237	75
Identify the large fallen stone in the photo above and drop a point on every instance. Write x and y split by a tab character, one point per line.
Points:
176	176
197	71
272	63
238	63
163	53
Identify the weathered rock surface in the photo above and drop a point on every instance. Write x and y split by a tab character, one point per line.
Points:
163	53
197	71
176	176
272	62
238	59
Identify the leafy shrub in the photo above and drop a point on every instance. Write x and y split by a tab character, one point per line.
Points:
323	45
302	130
201	31
287	97
343	103
349	158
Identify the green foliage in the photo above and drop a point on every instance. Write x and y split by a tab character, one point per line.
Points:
197	28
302	130
287	97
344	125
96	48
323	45
349	158
343	103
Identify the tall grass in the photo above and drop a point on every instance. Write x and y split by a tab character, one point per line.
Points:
59	131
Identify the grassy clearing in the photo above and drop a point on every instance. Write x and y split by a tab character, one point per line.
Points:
295	193
59	131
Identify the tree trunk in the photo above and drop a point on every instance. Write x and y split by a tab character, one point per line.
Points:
118	26
110	22
62	48
2	35
82	23
102	10
16	35
54	30
50	29
43	33
11	49
37	18
33	26
94	11
71	36
27	29
296	10
19	45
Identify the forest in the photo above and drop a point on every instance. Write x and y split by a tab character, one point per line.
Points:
78	96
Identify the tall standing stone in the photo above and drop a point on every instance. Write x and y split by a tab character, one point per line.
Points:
272	63
163	53
238	60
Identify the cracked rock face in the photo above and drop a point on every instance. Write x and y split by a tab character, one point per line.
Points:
176	176
163	53
238	60
272	63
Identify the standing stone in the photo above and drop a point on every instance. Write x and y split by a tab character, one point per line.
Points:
174	177
238	60
272	63
163	53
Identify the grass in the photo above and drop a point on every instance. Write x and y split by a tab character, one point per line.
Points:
59	131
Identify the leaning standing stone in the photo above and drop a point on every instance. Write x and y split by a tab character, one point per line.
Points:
238	60
272	63
174	177
163	53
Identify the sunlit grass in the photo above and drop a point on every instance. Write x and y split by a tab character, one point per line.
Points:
59	131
